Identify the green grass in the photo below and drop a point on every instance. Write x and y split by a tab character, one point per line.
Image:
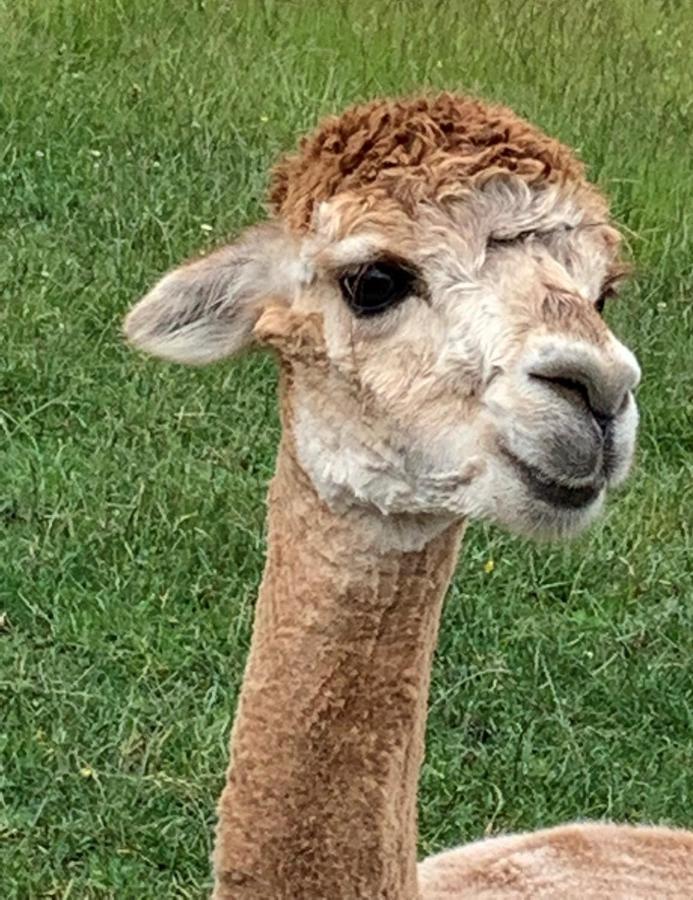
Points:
131	493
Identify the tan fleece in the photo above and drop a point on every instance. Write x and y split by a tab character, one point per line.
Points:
320	800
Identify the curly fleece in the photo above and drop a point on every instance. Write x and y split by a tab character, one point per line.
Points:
412	149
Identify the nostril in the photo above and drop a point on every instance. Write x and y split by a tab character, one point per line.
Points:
577	392
598	379
570	388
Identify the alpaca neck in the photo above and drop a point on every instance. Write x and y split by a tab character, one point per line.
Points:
320	797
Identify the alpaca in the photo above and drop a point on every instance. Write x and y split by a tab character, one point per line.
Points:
431	280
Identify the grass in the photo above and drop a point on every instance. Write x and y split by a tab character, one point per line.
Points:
131	493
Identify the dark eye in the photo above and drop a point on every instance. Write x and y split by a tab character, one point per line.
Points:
376	287
509	240
608	291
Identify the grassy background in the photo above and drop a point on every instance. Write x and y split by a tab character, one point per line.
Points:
131	493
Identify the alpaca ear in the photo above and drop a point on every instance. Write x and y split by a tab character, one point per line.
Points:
206	310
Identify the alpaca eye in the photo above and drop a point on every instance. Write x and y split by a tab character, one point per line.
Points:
376	287
607	292
509	240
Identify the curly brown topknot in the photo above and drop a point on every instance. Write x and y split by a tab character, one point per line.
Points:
411	149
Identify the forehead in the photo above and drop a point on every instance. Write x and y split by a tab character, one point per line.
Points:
355	227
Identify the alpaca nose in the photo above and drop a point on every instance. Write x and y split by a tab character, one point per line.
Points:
600	378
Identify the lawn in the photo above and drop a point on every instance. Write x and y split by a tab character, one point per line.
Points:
131	492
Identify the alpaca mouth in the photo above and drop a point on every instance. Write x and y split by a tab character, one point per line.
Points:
543	487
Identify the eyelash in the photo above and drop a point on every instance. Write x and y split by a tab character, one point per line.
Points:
509	241
607	293
373	288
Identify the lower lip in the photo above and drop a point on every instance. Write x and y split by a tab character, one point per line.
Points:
550	491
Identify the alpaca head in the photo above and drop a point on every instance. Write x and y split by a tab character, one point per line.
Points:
432	280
